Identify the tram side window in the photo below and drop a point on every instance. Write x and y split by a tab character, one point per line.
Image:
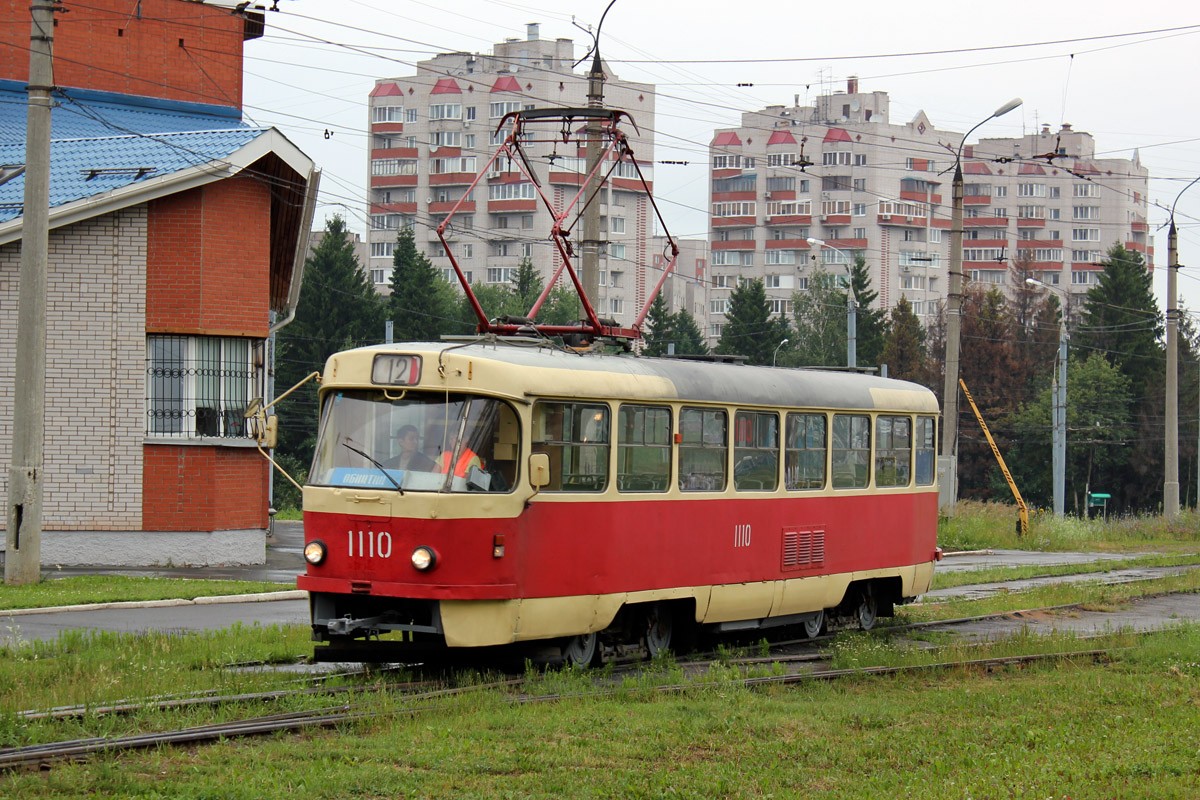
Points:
575	436
804	455
851	451
893	450
755	451
926	450
703	450
643	449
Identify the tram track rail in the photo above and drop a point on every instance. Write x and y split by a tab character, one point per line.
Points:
434	687
43	756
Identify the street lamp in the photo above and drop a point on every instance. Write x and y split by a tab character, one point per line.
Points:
851	304
776	353
1058	415
948	464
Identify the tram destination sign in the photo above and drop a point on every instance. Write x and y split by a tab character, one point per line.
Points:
392	369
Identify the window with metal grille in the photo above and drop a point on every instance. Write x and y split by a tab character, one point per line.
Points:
199	386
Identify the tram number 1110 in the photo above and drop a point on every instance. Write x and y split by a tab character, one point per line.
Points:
741	535
370	544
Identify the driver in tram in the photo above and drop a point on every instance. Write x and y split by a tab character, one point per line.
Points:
410	455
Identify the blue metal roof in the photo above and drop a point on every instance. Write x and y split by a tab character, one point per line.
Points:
80	113
102	141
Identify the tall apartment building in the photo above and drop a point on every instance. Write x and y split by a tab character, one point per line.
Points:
431	133
842	172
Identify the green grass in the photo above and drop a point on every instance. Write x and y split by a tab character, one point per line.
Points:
81	589
993	525
1079	730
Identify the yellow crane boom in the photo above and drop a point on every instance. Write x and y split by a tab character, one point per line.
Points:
1023	513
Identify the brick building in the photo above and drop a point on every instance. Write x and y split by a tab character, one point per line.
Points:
841	171
432	131
177	235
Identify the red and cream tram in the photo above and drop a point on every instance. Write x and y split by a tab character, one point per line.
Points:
505	491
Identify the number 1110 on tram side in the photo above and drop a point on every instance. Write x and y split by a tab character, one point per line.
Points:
500	492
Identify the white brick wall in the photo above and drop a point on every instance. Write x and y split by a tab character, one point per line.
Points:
95	371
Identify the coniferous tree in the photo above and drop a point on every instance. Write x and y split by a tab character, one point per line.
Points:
660	330
1120	318
689	339
527	285
904	344
338	309
422	305
870	322
750	330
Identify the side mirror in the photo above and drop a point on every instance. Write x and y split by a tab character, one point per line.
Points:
539	470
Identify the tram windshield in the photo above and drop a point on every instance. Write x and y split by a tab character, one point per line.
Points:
419	442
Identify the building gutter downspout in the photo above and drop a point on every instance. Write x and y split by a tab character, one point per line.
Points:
306	219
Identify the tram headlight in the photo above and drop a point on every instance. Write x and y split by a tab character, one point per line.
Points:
314	552
424	558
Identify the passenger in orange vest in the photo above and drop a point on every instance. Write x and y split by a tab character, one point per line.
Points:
466	459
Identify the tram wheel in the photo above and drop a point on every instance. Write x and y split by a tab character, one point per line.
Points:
581	651
660	627
815	626
868	609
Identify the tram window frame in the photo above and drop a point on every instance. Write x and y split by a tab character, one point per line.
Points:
755	451
854	454
644	439
567	452
893	450
925	450
799	461
699	430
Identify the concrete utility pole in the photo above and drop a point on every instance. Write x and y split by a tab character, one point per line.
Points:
948	462
948	472
23	532
1058	414
590	263
1171	460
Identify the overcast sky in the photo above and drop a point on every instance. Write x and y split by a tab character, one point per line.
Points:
311	74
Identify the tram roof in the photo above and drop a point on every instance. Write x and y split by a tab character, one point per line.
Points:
546	371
